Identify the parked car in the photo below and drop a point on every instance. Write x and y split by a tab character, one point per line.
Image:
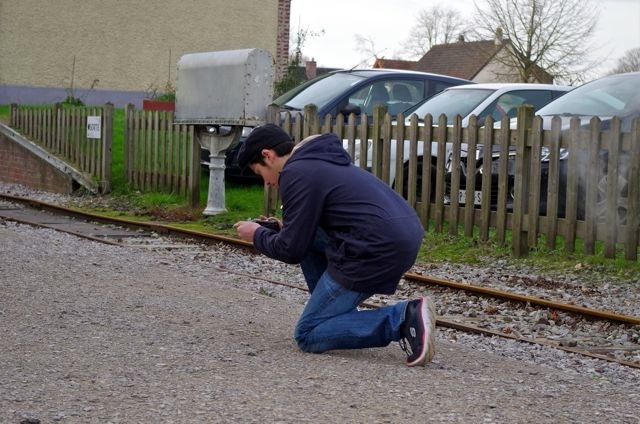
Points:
354	91
614	95
358	91
480	100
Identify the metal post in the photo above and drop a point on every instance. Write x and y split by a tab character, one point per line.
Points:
217	145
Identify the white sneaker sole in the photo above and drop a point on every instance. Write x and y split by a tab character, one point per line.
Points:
428	315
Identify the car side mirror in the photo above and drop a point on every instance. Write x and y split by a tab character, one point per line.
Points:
349	109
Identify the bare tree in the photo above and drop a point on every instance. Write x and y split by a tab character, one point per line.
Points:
293	77
367	47
630	62
552	35
438	25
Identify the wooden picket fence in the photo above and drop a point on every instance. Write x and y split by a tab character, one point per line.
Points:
161	156
523	226
158	156
62	131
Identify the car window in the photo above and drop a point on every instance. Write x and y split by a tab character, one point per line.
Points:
435	87
285	97
374	94
323	91
405	94
451	103
396	94
508	103
610	96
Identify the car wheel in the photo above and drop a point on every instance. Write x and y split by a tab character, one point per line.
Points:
622	204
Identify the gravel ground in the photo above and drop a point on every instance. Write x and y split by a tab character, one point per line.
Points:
119	335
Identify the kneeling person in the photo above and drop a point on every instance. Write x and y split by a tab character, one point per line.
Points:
353	237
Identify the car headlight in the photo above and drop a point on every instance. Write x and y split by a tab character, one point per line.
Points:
545	155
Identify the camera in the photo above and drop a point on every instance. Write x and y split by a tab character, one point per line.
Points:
268	223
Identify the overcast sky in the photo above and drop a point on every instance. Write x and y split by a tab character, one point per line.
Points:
618	28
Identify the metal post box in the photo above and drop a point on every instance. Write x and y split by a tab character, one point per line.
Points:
231	87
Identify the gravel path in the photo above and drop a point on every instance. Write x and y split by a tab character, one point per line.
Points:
97	333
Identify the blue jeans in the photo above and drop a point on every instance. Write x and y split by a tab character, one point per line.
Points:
331	320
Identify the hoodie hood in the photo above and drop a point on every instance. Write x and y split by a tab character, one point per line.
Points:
326	147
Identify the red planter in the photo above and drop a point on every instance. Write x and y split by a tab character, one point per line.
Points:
160	105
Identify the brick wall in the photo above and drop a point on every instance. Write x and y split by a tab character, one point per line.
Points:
282	43
20	166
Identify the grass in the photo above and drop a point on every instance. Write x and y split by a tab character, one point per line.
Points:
5	111
117	152
245	201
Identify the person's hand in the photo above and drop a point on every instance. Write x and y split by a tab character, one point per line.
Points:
246	229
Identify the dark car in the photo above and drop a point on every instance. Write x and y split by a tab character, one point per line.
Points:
358	91
354	91
614	95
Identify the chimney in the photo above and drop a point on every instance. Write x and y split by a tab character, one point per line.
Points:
311	68
498	39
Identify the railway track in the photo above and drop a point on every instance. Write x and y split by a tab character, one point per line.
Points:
493	319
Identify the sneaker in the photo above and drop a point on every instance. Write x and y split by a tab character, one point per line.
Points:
418	332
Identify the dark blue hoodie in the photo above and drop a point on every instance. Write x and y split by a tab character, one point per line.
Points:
374	235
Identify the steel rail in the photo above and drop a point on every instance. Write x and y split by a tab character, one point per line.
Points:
129	223
596	313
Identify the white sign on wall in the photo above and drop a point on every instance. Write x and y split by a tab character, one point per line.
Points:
94	127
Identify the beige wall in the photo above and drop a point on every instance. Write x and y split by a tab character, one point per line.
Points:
497	71
124	45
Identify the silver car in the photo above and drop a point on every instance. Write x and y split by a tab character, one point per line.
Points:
482	100
613	95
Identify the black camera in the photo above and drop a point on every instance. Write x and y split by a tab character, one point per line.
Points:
268	223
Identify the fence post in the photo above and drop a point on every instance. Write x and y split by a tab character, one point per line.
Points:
522	184
107	143
633	211
438	207
379	111
271	194
127	142
311	121
194	169
13	117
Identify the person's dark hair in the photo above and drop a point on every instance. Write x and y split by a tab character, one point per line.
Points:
281	149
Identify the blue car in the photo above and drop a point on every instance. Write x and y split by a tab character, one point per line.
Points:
355	91
358	91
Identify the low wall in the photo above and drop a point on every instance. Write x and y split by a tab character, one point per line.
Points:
20	166
32	95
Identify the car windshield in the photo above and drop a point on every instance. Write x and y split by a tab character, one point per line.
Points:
321	91
610	96
451	102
